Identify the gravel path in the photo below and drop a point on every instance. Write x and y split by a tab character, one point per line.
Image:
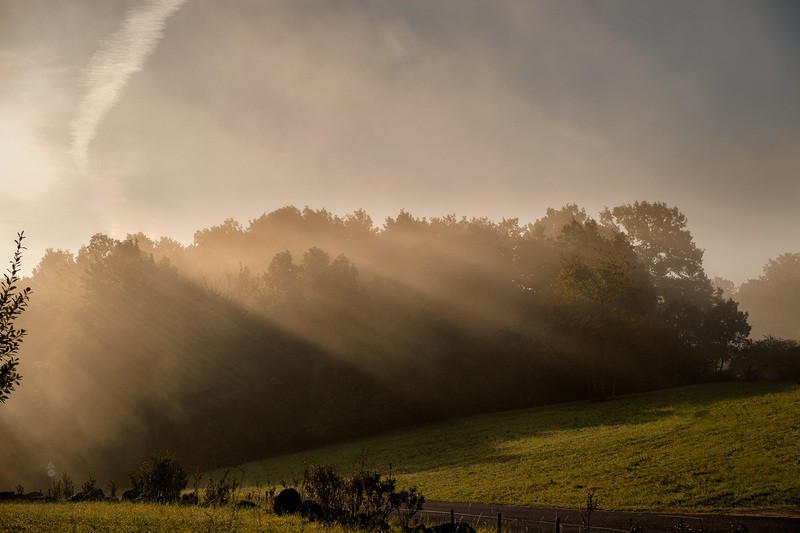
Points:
534	519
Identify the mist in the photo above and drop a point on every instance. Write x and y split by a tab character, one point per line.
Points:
232	110
153	152
303	328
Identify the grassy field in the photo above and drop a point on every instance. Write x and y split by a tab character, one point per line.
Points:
124	517
88	517
725	446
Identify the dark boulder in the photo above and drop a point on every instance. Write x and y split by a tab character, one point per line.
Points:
451	528
312	510
189	499
129	495
287	502
245	504
95	495
420	528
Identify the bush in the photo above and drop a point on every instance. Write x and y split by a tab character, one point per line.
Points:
112	488
159	479
89	485
770	358
324	485
366	499
64	487
408	503
218	492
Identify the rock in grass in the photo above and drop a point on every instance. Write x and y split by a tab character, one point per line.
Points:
451	528
287	502
96	495
245	504
312	510
189	499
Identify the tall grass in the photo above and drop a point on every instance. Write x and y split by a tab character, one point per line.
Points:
726	446
147	518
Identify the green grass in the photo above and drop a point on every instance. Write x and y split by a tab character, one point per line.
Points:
149	518
153	518
726	446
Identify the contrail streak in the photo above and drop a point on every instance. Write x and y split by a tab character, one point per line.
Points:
112	65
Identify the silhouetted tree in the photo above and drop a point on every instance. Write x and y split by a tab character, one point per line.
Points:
307	327
553	223
13	302
601	293
659	235
724	332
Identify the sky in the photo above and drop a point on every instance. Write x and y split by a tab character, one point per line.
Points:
168	116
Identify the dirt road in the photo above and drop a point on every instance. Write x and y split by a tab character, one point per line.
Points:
534	519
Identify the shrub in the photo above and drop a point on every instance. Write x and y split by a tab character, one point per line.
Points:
112	488
218	492
89	485
63	488
159	479
323	484
408	503
366	499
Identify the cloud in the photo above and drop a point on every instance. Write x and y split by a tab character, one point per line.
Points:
112	65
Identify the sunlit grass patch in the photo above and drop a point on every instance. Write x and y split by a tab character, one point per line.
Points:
719	446
149	518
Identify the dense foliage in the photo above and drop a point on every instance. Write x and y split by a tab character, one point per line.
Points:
159	479
304	327
363	500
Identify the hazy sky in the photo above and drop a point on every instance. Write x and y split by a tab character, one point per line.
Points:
167	116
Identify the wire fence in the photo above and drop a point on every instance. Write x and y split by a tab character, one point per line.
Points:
515	524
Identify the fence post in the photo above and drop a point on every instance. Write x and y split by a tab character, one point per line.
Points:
453	518
558	524
499	523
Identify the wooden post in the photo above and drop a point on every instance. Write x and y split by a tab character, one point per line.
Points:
453	518
499	523
558	524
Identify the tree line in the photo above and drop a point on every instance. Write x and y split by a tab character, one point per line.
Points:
305	327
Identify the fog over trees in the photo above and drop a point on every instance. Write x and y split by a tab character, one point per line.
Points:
304	327
774	297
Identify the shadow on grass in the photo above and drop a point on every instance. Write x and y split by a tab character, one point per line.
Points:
448	443
475	440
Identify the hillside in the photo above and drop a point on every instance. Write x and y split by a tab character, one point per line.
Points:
717	446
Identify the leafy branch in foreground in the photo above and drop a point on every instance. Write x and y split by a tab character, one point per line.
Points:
13	302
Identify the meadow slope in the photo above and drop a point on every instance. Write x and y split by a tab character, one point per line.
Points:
722	446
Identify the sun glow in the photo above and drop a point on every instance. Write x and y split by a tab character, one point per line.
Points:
25	159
